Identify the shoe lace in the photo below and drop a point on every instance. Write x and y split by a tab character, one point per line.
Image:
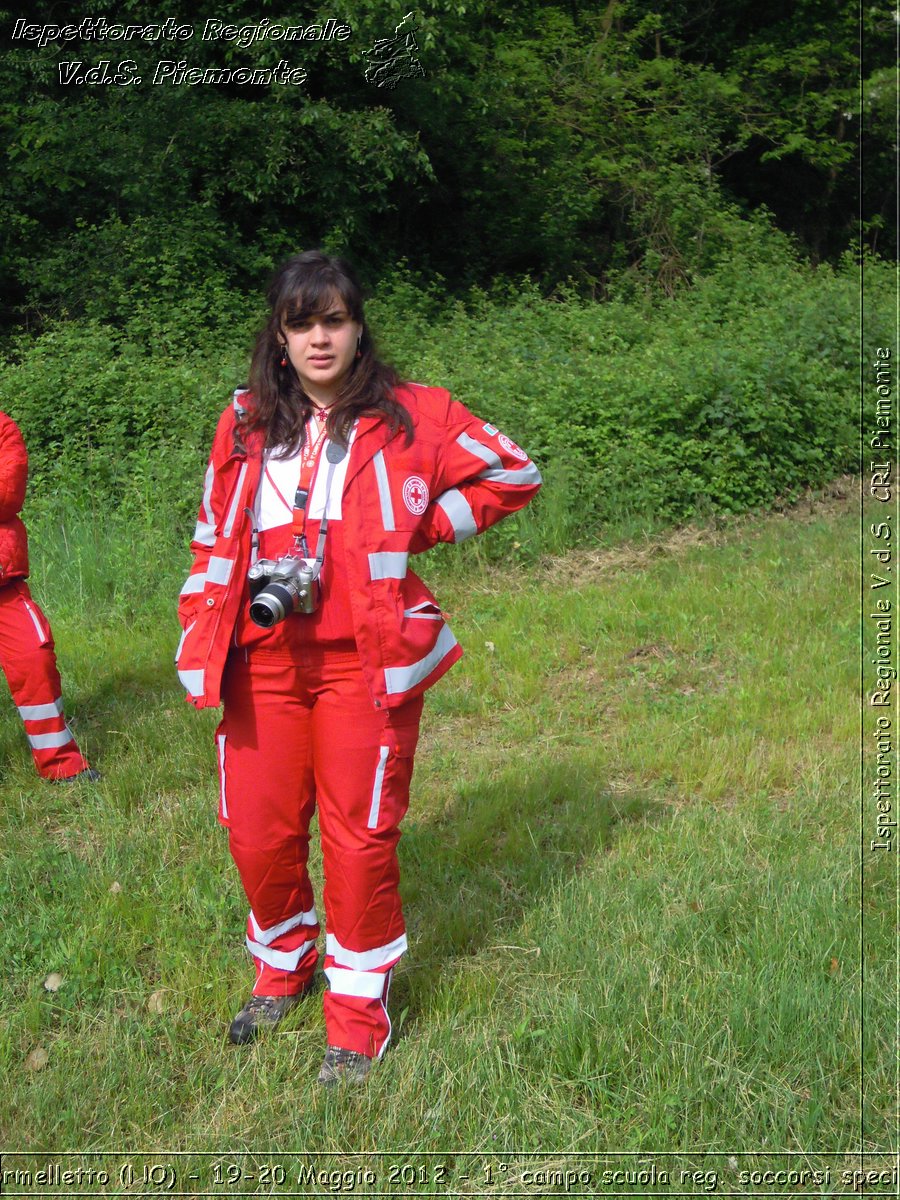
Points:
339	1057
261	1004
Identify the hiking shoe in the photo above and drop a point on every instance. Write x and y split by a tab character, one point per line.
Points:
344	1066
88	775
262	1012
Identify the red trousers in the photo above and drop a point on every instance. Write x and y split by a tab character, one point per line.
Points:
300	732
28	660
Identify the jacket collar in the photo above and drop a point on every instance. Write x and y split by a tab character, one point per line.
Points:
254	443
372	435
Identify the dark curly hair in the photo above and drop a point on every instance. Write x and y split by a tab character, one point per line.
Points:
305	286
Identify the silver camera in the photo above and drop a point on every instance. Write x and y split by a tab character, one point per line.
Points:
279	588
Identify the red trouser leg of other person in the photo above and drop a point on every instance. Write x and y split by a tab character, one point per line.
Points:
28	660
300	731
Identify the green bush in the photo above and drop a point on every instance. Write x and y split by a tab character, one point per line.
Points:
640	410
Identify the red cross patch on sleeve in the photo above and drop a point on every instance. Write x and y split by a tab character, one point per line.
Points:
415	495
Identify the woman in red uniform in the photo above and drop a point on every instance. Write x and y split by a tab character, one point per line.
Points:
325	475
27	654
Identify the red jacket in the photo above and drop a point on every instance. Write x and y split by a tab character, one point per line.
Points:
13	478
459	476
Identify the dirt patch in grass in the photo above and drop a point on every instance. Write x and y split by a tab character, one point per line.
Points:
581	567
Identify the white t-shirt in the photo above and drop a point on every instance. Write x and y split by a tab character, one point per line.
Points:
279	484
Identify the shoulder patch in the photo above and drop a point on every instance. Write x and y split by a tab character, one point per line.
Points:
491	429
415	495
511	448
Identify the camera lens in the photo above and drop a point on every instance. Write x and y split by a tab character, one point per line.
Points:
261	614
272	605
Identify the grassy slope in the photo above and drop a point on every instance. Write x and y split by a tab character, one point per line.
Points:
630	874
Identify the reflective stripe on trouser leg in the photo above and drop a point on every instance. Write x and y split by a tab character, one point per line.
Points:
268	800
28	660
356	1012
363	762
280	951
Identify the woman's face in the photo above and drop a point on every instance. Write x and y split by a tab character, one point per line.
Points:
321	348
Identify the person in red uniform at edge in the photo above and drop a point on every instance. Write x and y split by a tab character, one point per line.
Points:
27	654
330	458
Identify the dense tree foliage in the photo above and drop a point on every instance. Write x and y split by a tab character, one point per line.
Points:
554	140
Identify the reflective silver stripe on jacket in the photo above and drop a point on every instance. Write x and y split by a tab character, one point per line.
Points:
192	681
236	396
384	492
41	712
235	503
194	584
218	569
207	493
485	453
522	476
401	679
388	564
423	612
205	533
459	514
525	475
187	629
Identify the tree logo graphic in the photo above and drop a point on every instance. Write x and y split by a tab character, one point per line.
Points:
393	59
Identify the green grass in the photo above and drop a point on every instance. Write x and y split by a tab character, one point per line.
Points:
630	872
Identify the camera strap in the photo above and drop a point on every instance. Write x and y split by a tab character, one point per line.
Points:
309	462
334	455
254	535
